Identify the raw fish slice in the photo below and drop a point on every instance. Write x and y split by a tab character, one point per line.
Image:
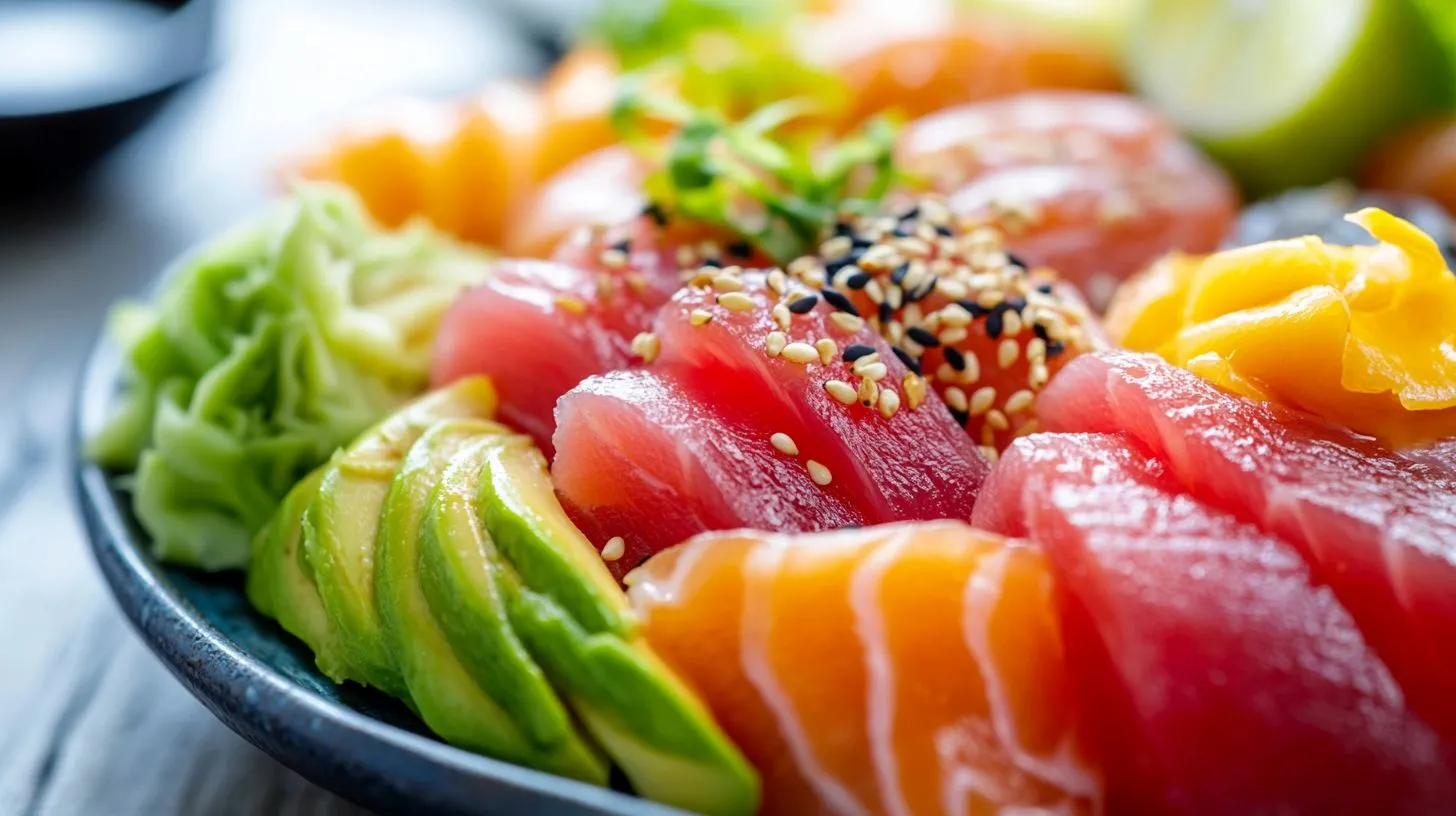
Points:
1216	677
1094	185
902	669
640	458
894	451
1378	527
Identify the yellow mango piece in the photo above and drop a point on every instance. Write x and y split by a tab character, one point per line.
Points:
1362	336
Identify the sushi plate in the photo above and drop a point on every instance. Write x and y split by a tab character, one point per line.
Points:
262	684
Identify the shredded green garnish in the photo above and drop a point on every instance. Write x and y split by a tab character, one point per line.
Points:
779	189
264	353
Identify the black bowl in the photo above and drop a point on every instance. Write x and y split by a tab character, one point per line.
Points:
51	137
262	683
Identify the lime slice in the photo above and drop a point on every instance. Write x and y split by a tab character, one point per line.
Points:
1287	93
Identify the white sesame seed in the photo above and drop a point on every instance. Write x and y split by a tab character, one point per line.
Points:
955	315
875	292
953	335
1010	324
735	301
827	349
818	473
1037	377
727	282
981	400
614	548
782	315
636	282
1018	401
914	387
784	444
875	371
613	258
571	304
992	455
647	346
685	256
868	393
951	288
847	322
700	317
774	343
996	420
946	373
604	287
777	282
990	298
973	369
889	403
1036	350
841	390
955	398
1007	352
801	353
836	247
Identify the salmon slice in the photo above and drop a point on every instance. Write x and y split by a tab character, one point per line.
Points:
1377	527
640	458
901	669
1093	185
1216	677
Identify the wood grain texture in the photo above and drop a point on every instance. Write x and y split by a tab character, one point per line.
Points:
90	722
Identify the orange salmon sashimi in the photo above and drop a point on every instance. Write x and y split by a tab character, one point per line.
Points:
1093	185
1215	676
602	187
787	376
901	669
1379	528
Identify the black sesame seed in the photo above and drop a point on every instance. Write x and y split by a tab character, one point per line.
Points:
900	232
943	231
1015	260
956	359
923	292
860	242
1040	331
993	325
837	299
971	306
832	267
961	417
656	213
712	263
1054	348
913	212
857	281
1045	288
1015	303
856	351
803	305
923	337
910	362
898	276
886	312
739	249
843	228
623	246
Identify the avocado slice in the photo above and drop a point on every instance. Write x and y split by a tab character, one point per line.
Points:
513	715
280	586
341	525
523	515
577	623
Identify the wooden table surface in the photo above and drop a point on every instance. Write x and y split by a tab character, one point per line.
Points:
90	722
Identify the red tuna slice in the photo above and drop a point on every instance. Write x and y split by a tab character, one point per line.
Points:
893	449
1094	185
641	458
1217	678
1378	527
537	329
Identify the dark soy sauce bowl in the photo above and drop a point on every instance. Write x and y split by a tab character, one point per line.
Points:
77	77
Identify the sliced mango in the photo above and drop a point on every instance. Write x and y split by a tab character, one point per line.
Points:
1364	336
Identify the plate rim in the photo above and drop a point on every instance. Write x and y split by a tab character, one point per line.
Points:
268	709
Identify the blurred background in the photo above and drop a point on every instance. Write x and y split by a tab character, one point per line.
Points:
130	131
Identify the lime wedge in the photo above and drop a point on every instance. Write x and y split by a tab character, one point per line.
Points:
1287	92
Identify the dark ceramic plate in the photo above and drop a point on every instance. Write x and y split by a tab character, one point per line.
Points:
262	683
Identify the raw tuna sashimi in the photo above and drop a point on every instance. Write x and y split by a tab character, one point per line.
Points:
901	669
1377	527
1094	185
539	328
1214	675
986	332
759	359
